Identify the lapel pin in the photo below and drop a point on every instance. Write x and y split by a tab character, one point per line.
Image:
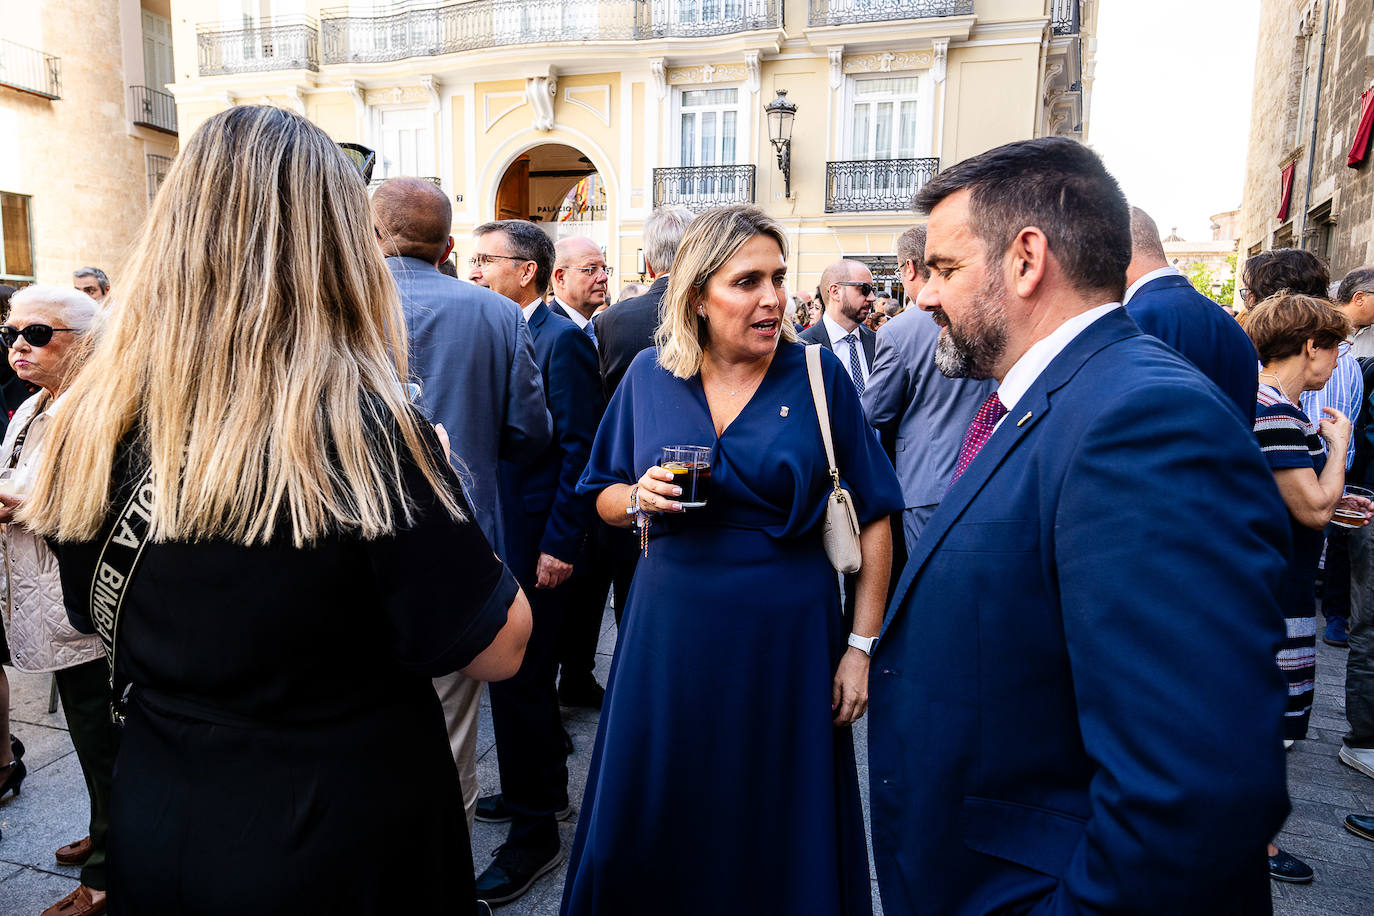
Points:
783	412
1022	421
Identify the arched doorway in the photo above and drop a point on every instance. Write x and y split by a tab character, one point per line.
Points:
556	186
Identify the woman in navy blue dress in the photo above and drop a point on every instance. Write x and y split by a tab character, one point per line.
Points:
723	778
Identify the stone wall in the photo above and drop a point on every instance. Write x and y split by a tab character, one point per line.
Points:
1338	200
79	157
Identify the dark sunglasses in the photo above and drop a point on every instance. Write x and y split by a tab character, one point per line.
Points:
362	157
38	335
865	288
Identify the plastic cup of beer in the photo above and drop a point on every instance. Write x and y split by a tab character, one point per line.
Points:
14	482
1349	515
691	467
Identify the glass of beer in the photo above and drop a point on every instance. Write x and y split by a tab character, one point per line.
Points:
1350	512
691	467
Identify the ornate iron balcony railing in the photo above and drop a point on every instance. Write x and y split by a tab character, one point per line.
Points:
375	183
152	108
1064	17
875	184
30	70
284	43
701	187
449	28
847	12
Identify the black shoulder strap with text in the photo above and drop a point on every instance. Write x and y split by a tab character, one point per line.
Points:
114	569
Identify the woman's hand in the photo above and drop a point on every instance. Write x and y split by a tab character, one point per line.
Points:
657	493
8	506
849	693
1335	429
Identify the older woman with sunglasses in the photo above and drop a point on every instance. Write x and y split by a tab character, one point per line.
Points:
45	337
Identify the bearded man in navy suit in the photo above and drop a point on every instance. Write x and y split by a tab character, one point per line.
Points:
1055	727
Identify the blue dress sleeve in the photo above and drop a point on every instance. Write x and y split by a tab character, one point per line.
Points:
613	451
864	468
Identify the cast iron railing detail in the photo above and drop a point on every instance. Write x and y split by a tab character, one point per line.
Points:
30	70
846	12
875	184
471	25
284	43
1064	17
701	187
376	182
155	109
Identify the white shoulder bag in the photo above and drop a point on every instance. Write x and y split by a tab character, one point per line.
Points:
841	532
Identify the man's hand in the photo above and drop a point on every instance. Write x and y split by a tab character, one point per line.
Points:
552	572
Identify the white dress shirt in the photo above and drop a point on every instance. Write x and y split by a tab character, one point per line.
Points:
573	313
1034	361
1152	275
841	346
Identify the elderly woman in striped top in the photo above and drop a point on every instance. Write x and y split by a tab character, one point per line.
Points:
1299	339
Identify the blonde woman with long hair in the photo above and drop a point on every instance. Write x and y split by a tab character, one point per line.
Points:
736	677
307	560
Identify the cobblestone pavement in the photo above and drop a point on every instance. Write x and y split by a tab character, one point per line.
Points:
52	810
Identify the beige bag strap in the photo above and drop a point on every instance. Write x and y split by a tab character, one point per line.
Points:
813	372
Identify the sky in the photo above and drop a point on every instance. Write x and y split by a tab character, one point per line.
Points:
1171	105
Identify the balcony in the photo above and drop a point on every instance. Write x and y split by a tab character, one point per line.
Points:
30	70
154	109
284	43
376	183
850	12
875	184
701	187
1063	17
477	24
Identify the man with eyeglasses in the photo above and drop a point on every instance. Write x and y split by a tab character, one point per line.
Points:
849	293
547	526
581	279
464	340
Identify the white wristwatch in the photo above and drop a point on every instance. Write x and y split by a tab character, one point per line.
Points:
863	643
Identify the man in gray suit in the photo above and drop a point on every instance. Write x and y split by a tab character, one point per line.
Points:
906	395
474	359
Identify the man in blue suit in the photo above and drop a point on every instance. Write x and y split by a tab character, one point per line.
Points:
546	532
1164	304
1056	727
463	339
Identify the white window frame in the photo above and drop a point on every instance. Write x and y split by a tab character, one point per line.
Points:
925	114
378	139
744	123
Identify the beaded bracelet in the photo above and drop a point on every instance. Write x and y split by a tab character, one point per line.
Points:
641	519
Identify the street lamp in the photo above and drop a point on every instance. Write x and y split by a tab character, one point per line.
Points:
781	113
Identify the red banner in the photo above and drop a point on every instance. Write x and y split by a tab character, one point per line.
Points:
1286	194
1359	150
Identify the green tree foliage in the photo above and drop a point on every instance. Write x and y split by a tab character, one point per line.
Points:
1202	278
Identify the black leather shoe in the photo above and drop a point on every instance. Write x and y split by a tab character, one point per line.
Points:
516	868
1362	825
16	747
582	690
491	809
1284	867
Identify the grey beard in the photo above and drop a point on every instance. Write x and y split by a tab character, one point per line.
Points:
969	358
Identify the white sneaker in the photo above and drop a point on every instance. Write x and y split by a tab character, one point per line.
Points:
1359	758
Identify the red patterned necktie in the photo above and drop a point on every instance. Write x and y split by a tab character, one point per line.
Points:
978	432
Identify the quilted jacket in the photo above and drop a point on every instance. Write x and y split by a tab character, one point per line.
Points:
40	637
